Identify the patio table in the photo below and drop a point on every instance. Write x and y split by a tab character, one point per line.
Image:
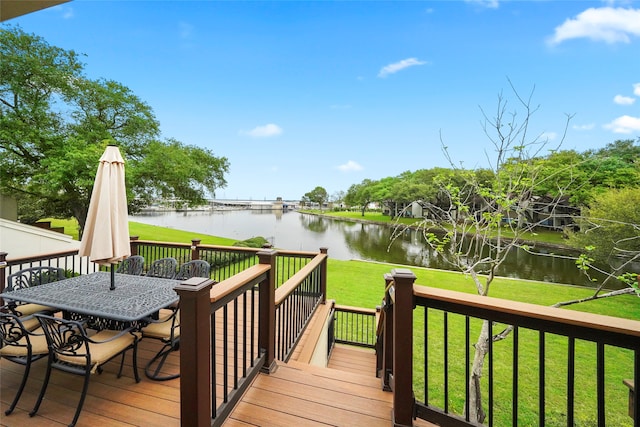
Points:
134	299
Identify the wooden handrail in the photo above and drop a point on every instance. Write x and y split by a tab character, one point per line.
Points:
532	311
228	286
351	309
290	285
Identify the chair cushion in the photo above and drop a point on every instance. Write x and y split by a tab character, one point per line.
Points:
161	329
101	352
27	309
38	345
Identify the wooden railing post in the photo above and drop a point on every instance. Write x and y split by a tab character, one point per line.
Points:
133	244
323	276
386	356
195	252
267	327
195	359
403	399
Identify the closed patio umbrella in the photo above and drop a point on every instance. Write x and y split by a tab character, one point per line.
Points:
105	238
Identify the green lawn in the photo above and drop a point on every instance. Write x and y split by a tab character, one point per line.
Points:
149	232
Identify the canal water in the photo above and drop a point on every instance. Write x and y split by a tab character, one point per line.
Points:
351	240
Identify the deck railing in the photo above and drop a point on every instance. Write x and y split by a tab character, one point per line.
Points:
239	327
574	352
234	310
225	261
354	326
68	260
295	302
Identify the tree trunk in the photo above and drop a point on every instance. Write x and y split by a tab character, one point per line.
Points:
477	413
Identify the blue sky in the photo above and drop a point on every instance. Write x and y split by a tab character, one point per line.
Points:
302	94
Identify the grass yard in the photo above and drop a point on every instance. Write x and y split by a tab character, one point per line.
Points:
149	232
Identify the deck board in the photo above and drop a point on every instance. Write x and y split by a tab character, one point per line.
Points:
346	393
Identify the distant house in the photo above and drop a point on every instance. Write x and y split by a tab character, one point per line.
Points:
555	213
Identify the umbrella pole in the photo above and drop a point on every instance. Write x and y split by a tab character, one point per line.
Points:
113	278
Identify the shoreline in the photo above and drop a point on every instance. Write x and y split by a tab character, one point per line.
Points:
532	243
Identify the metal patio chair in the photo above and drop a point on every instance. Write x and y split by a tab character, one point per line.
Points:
164	268
133	265
167	330
72	350
21	345
28	277
195	268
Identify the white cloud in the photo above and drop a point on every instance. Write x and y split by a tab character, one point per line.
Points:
398	66
549	136
350	166
623	100
588	126
607	24
265	131
624	124
491	4
66	11
636	89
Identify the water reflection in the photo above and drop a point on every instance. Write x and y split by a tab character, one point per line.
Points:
349	240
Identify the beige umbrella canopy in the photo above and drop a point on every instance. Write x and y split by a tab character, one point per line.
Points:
105	238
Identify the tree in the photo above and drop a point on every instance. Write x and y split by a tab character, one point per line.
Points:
337	197
610	230
477	209
55	123
361	194
318	195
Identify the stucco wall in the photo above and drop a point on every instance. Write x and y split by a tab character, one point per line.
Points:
19	240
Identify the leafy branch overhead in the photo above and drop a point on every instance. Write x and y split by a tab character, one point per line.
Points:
55	123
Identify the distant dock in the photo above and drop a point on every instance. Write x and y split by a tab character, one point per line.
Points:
225	204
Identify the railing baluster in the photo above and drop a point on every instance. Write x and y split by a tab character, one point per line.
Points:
446	362
467	366
235	343
571	374
490	403
541	379
514	389
426	355
225	353
600	383
214	370
244	334
636	387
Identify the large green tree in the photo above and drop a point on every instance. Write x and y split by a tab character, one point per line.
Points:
318	195
610	228
55	123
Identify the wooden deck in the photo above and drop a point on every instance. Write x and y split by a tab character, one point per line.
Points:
346	393
111	401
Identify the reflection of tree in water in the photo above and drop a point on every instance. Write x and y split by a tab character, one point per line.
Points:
314	223
372	243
